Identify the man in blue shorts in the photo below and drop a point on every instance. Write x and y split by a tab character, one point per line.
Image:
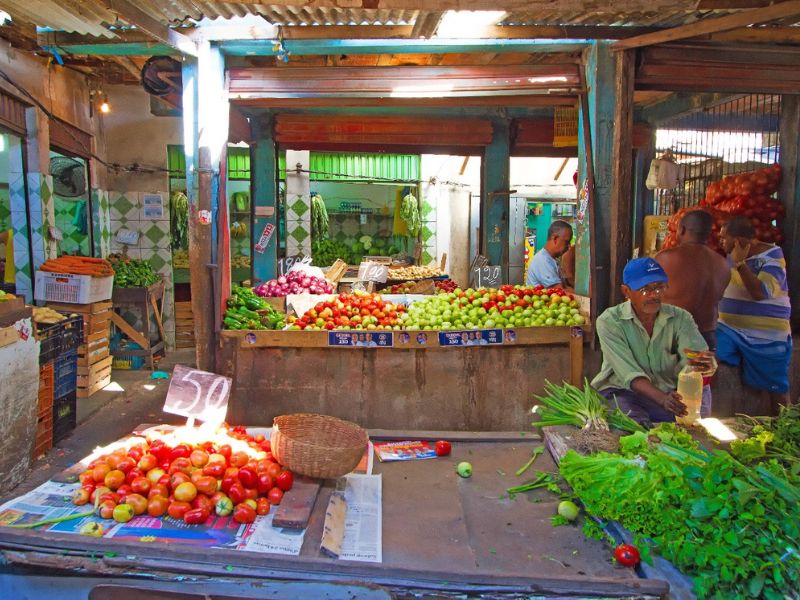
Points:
754	312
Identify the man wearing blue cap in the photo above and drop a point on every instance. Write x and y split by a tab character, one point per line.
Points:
644	345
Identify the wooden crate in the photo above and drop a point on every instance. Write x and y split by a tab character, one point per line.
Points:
88	380
85	392
82	309
85	370
184	325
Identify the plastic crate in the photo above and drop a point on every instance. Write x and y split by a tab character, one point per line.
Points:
46	389
65	374
59	338
43	439
65	413
72	289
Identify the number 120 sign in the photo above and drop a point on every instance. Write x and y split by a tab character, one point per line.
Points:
198	394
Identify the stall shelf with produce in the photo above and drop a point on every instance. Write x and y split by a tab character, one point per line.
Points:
501	544
421	379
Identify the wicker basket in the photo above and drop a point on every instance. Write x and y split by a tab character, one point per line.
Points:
317	446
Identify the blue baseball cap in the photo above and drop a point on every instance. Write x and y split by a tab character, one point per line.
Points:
642	271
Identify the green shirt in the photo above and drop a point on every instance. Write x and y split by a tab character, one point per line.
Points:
628	352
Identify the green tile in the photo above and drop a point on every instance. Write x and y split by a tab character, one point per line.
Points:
123	205
155	234
299	207
298	234
427	233
157	262
426	258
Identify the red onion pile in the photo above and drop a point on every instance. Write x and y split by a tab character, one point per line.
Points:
295	282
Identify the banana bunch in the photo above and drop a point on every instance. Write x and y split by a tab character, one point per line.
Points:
238	229
46	316
180	259
240	262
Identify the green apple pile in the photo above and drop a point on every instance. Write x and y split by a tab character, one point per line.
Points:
509	306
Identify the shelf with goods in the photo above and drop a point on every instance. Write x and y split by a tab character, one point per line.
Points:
476	355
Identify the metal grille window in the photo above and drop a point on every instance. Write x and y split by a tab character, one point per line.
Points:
738	135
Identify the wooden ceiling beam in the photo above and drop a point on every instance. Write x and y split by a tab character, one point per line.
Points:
710	26
604	6
479	101
154	28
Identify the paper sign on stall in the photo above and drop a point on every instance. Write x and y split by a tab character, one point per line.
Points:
198	394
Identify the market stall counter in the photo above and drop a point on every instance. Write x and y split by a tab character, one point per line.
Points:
480	380
430	533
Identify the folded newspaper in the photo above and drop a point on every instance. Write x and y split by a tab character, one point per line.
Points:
410	450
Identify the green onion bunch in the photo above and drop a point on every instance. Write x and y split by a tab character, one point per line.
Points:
582	408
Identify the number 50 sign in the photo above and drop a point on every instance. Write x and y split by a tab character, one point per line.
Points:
198	394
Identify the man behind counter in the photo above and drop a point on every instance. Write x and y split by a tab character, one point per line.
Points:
644	345
544	269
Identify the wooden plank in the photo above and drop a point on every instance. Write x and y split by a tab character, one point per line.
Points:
333	530
128	330
708	26
160	32
622	175
8	335
93	308
789	194
87	381
93	369
94	356
295	509
157	315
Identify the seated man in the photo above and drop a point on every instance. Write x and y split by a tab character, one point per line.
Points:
644	347
544	269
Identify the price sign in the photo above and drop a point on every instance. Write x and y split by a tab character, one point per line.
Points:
198	394
285	264
370	271
269	228
489	276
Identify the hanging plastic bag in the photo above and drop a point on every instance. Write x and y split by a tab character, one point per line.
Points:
663	174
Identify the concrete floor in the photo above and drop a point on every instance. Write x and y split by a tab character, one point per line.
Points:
132	398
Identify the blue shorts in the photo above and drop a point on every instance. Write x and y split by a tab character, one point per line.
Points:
764	366
642	410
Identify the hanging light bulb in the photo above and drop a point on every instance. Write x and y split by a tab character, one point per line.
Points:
105	107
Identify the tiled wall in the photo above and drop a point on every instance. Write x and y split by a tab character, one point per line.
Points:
101	217
72	220
19	219
428	204
154	244
298	206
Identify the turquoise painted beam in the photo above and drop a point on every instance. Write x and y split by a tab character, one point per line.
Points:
264	197
118	49
496	167
396	46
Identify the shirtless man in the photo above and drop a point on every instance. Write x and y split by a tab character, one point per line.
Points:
697	275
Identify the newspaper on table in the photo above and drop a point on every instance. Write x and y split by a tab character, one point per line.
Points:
363	535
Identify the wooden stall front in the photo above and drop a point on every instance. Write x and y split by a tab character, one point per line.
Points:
414	384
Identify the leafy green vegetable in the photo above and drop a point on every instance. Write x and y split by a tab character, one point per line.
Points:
409	212
179	220
734	529
132	272
319	218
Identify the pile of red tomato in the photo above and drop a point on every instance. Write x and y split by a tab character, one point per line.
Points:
746	194
445	285
358	310
188	482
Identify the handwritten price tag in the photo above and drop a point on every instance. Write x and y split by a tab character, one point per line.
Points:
489	276
286	264
370	271
198	394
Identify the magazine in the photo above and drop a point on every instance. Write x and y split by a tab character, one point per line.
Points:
409	450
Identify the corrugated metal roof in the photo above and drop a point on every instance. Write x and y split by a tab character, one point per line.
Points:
93	16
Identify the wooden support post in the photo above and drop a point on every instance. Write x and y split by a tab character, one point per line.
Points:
790	195
205	128
495	205
597	122
576	356
621	217
264	194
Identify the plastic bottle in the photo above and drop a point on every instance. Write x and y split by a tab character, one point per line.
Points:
690	387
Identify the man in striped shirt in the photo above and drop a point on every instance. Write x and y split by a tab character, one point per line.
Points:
754	312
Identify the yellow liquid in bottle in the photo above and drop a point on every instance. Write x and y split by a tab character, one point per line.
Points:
690	387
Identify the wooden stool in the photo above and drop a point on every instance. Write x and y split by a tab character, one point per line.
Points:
148	301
